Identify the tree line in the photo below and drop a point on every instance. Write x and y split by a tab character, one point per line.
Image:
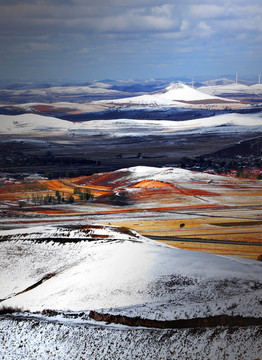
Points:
58	198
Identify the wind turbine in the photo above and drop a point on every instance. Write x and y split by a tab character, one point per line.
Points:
259	78
193	80
236	78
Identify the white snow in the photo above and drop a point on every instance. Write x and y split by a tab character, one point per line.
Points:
32	123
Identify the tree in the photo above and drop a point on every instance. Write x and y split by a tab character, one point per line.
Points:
70	199
77	191
58	196
88	195
21	204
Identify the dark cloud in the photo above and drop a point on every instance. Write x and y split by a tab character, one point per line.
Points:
115	16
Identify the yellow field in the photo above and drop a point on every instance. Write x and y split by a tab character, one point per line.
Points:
201	235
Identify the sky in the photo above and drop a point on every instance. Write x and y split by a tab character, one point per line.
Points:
129	39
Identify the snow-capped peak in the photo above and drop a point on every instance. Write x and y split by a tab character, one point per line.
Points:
175	86
173	95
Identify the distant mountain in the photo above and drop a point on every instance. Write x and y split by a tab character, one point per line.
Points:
223	81
133	86
231	89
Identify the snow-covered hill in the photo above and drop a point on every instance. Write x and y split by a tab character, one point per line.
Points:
221	124
129	177
32	124
174	94
113	268
35	125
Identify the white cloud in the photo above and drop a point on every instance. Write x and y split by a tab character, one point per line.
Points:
207	11
204	30
184	25
165	10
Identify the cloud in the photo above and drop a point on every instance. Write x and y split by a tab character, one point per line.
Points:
204	30
115	16
133	23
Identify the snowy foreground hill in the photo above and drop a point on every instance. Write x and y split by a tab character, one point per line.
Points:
116	271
